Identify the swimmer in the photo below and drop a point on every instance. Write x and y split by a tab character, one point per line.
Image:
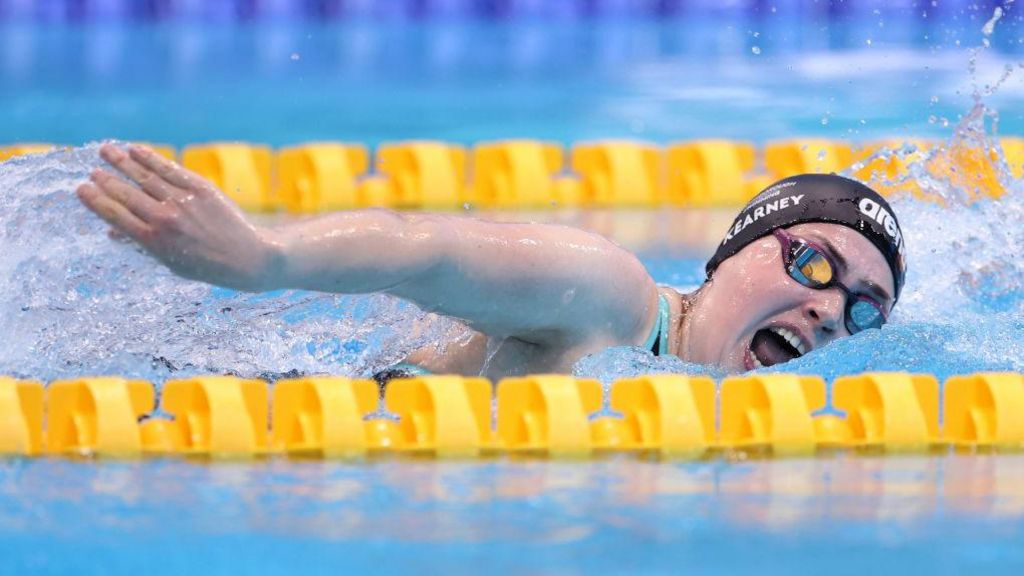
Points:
811	259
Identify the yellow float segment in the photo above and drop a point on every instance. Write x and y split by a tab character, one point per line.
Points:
516	173
895	411
831	431
424	174
970	169
620	173
21	417
984	410
806	155
376	191
1013	152
673	414
218	415
321	177
770	411
711	173
164	150
383	434
442	415
547	413
882	171
97	415
568	192
322	415
974	171
242	171
10	151
161	436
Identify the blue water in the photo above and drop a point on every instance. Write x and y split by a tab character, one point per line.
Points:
73	302
844	516
776	75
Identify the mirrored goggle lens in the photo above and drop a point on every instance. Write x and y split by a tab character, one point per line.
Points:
862	315
810	267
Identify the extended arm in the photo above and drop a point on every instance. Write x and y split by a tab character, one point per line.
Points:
540	283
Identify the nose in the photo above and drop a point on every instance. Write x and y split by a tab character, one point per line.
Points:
824	309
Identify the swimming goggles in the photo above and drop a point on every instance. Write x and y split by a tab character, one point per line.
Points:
811	266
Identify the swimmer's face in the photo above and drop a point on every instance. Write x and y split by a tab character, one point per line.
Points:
751	310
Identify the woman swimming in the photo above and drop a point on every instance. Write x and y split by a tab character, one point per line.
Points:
811	259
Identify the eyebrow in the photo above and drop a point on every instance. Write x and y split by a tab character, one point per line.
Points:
874	289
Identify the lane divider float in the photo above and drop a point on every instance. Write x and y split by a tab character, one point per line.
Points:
320	177
547	416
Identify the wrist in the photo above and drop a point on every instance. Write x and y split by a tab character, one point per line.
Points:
271	271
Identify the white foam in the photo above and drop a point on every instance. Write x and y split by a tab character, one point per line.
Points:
74	302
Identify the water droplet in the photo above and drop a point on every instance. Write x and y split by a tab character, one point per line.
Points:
934	100
755	49
295	56
824	120
990	26
821	154
868	41
932	119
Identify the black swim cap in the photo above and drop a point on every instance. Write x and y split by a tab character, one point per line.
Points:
818	198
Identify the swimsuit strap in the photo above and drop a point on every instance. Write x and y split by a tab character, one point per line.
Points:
657	342
411	369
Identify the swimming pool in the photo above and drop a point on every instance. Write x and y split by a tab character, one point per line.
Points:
71	300
846	516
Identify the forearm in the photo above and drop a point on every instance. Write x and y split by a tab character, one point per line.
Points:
355	252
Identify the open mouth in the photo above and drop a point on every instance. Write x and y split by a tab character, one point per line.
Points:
775	345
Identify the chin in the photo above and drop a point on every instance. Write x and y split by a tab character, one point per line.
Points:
736	363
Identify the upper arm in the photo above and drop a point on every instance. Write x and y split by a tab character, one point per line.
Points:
541	283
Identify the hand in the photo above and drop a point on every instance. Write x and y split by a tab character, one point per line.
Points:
181	219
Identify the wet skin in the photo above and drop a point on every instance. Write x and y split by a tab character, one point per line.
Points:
752	291
547	295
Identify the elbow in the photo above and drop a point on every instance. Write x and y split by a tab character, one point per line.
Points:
430	242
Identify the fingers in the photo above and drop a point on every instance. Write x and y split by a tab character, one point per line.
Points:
152	183
140	204
164	168
112	212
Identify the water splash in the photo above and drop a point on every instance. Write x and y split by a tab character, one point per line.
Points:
72	302
961	208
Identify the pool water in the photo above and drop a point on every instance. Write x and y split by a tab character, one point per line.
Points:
846	515
74	302
773	76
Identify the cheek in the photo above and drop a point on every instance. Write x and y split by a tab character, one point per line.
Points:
760	291
761	287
